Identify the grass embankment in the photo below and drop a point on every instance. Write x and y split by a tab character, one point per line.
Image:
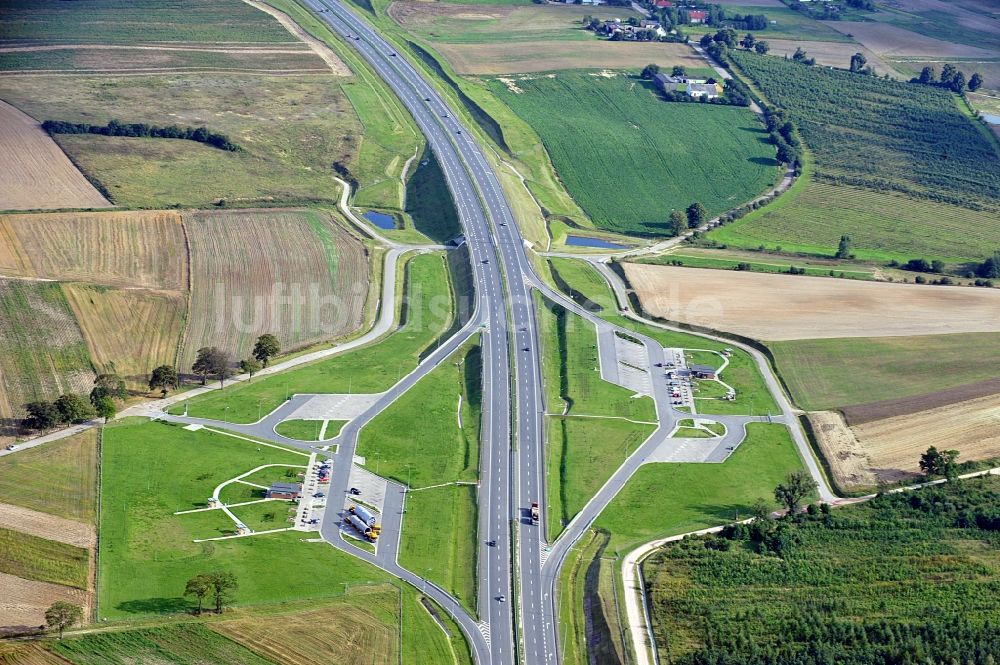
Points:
830	373
309	430
429	202
665	499
370	369
583	450
58	478
904	578
608	173
418	441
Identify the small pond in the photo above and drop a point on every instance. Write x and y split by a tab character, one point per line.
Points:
583	241
380	219
991	119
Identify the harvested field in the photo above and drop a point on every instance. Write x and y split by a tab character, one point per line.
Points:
87	59
128	249
894	445
292	273
360	632
27	653
863	413
59	478
542	56
833	54
845	456
34	171
785	307
44	352
887	39
319	48
128	332
47	526
23	602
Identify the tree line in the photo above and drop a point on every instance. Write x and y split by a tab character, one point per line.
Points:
143	130
951	78
109	390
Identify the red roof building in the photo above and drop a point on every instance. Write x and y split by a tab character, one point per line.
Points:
697	16
663	4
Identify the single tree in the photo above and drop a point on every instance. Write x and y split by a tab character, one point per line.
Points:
163	377
748	41
936	462
947	74
267	347
799	55
927	75
222	366
797	486
760	510
762	47
990	268
224	585
250	366
199	586
202	365
858	62
108	385
678	70
975	82
62	615
678	223
106	409
958	83
844	248
74	409
649	71
42	415
696	215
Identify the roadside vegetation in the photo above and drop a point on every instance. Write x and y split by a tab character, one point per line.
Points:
630	134
309	430
370	369
903	578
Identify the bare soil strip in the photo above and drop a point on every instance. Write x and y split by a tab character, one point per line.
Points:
864	413
321	49
23	602
35	172
783	307
47	526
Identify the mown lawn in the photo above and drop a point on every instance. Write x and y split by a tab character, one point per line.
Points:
309	430
665	499
629	158
150	470
830	373
370	369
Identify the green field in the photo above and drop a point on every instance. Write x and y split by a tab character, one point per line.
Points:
842	116
901	579
58	478
768	266
417	441
372	368
638	160
440	540
190	644
789	24
309	430
752	396
147	475
882	225
34	558
111	21
831	373
581	455
583	284
666	499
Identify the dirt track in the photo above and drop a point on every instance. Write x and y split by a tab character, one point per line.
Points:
783	307
47	526
35	172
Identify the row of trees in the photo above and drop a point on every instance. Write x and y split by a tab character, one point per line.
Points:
727	38
692	218
142	130
214	362
951	78
70	408
220	585
784	137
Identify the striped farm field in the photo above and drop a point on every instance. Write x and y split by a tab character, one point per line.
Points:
882	225
128	332
295	274
134	249
35	172
43	351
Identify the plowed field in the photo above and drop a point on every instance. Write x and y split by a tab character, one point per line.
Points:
34	172
23	602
